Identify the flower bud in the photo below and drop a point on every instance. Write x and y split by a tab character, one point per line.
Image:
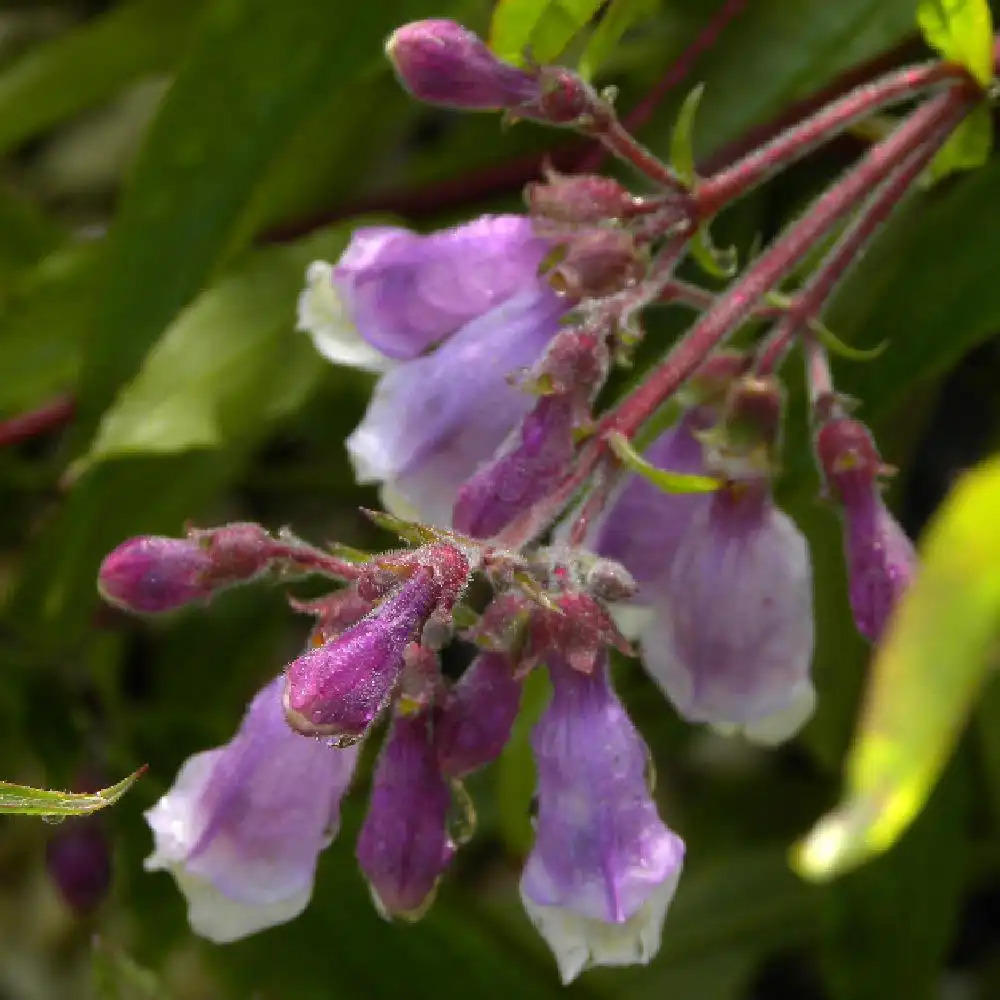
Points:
78	858
478	715
404	846
578	199
533	461
441	62
881	560
152	574
341	687
598	263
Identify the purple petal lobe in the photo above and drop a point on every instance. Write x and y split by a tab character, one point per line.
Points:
243	824
604	866
475	723
432	421
732	640
404	846
406	291
340	688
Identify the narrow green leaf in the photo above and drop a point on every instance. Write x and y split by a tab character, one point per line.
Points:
719	263
228	365
255	72
618	17
84	67
662	479
968	147
26	233
682	137
962	31
938	650
538	28
836	346
25	801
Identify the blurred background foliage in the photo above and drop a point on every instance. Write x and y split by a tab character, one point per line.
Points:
169	168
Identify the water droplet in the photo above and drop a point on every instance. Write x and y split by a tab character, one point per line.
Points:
343	741
462	821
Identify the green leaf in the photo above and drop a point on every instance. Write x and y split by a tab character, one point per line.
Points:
116	976
26	232
618	17
968	147
682	137
227	366
938	650
961	30
84	67
663	479
255	72
838	347
540	28
719	263
24	801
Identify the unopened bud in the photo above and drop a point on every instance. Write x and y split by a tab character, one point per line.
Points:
579	199
78	858
441	62
598	263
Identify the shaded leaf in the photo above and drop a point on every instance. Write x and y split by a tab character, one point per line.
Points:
618	17
962	31
968	147
682	137
938	649
84	67
24	801
540	28
227	365
116	976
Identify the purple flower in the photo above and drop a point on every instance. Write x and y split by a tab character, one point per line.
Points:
644	526
478	715
881	560
404	291
242	826
732	640
341	687
604	867
441	62
404	846
152	574
433	420
528	466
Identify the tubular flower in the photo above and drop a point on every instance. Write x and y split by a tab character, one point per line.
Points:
881	560
478	715
340	688
733	640
604	867
243	825
404	845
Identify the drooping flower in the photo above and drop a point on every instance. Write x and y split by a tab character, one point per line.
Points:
432	421
341	687
475	292
78	859
243	824
441	62
475	722
404	845
732	641
881	560
604	867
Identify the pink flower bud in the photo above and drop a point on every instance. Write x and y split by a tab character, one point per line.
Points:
598	263
578	199
441	62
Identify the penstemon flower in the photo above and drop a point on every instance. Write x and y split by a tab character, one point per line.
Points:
492	418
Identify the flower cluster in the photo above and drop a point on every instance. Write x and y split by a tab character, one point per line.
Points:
492	342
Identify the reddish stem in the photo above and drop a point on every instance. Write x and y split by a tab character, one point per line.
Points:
848	250
732	182
50	416
737	303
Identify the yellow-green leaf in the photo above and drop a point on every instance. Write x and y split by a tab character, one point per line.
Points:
540	29
25	801
662	479
618	17
961	30
938	650
968	147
